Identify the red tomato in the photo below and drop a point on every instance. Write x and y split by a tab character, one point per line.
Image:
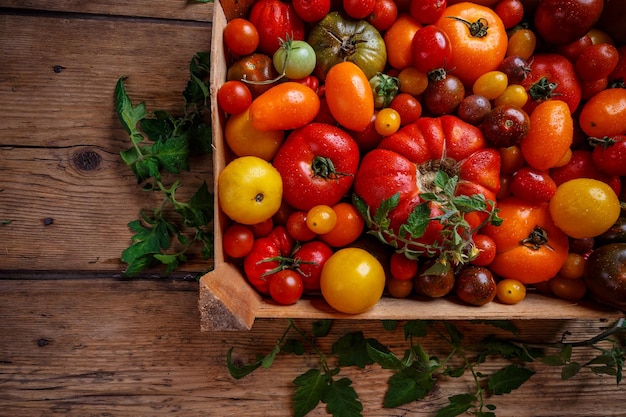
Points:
285	287
274	21
487	250
404	163
358	9
581	165
431	49
609	155
384	14
407	106
530	248
262	261
349	96
551	76
401	267
238	240
596	61
532	185
286	106
510	11
317	163
427	11
234	97
241	37
311	10
478	38
308	260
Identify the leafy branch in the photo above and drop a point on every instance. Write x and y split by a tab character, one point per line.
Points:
455	246
162	143
416	372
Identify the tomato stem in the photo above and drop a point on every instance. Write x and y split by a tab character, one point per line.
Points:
477	29
537	238
543	90
323	167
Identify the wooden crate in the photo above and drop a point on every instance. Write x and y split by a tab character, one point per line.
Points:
228	302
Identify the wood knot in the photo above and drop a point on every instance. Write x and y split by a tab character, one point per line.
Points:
87	160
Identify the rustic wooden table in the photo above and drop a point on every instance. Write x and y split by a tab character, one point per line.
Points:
76	338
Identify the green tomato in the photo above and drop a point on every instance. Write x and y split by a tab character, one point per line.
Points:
336	39
295	59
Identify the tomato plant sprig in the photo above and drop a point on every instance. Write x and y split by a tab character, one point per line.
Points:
456	246
162	142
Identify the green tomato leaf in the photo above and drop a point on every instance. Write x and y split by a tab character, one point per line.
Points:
407	386
322	327
268	360
310	388
294	346
172	154
458	404
352	349
341	399
570	370
508	379
417	222
238	371
128	114
381	217
385	358
415	328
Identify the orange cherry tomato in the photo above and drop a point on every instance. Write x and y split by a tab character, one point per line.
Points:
550	135
604	114
349	96
286	106
348	228
529	247
478	38
398	39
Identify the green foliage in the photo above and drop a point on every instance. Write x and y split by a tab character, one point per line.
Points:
162	143
415	372
456	246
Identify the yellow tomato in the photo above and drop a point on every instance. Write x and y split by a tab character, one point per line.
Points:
250	190
352	280
244	140
584	207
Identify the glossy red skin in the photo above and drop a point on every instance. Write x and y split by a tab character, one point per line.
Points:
563	21
393	167
256	264
572	50
533	185
431	49
311	10
596	61
384	14
581	165
275	19
559	70
619	73
309	260
302	189
427	11
611	159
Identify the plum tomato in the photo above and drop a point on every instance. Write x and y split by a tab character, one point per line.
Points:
604	114
567	289
533	185
430	49
285	287
286	106
401	267
530	247
522	43
491	84
505	126
311	10
563	21
510	11
352	280
584	207
510	291
241	36
275	19
475	285
318	163
478	38
349	96
399	39
609	154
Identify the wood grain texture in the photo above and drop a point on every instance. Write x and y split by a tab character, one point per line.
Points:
105	347
65	189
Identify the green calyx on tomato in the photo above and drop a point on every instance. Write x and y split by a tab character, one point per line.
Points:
337	39
477	29
385	88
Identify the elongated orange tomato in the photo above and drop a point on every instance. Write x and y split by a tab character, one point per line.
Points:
550	135
349	96
604	114
286	106
478	39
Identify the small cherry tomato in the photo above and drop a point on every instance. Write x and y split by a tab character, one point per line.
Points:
297	227
234	97
510	291
505	126
412	81
513	95
427	11
609	154
321	219
487	250
358	9
398	288
241	36
401	267
473	109
384	14
408	107
443	96
387	121
286	287
533	185
574	266
348	228
237	240
568	289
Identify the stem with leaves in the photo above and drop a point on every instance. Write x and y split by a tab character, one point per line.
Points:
162	142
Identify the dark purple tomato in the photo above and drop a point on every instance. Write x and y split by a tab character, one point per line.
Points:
563	21
473	109
605	275
434	285
443	96
515	67
475	285
506	125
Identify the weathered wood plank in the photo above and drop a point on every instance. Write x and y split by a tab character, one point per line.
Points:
65	189
128	348
165	9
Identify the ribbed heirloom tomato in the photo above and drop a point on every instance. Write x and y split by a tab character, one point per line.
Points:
530	248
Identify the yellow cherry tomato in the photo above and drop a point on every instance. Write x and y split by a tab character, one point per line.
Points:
321	219
491	84
510	291
244	140
387	121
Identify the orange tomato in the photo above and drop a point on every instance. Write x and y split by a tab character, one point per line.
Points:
478	38
604	114
348	228
398	39
529	247
349	96
550	135
286	106
244	140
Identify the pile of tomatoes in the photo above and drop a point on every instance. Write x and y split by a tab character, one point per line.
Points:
422	147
